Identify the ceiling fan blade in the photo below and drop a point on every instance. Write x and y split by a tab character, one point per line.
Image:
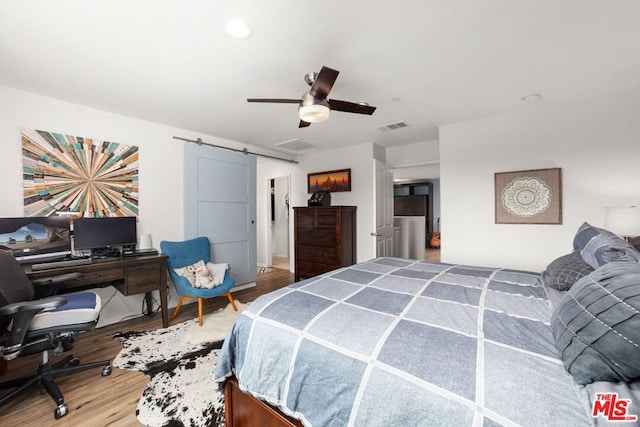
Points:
304	124
323	83
274	100
350	107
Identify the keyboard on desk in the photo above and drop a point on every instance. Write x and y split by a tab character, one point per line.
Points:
97	260
60	264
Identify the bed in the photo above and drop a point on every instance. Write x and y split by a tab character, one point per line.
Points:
399	342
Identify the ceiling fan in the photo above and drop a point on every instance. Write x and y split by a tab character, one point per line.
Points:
314	106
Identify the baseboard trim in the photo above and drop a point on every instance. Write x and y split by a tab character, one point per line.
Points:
243	286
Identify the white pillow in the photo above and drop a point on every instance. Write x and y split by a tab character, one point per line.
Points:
189	271
218	271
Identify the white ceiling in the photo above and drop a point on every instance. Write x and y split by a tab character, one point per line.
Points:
172	62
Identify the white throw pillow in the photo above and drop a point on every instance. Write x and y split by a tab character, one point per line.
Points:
218	271
189	271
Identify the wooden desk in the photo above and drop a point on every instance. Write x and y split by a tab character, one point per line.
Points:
131	276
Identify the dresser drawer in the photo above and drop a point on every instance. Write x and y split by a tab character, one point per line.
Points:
317	238
306	220
326	255
306	269
326	219
142	278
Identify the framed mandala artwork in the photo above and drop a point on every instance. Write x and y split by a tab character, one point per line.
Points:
65	174
529	197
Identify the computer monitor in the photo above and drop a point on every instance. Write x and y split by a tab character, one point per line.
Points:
32	238
104	233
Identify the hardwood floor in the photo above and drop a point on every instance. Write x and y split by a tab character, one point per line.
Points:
432	255
104	401
280	262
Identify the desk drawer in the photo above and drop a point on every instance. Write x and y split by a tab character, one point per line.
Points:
143	278
97	277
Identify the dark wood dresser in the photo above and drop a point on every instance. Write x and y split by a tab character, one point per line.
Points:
324	239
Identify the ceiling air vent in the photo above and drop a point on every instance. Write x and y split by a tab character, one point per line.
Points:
393	126
295	145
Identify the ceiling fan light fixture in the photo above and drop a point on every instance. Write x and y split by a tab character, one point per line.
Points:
313	113
314	106
313	110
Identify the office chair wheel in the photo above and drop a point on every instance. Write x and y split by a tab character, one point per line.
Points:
106	371
74	362
61	411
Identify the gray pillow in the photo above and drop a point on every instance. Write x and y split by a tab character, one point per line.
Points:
598	247
597	325
563	272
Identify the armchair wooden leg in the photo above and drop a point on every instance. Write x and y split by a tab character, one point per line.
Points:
231	301
200	311
175	312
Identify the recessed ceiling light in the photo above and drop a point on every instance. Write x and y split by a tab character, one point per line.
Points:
531	99
395	99
239	29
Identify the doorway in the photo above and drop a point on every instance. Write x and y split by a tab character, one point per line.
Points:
278	212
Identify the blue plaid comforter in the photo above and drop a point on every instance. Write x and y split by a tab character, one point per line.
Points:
396	342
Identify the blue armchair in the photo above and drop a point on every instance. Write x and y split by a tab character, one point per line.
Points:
182	254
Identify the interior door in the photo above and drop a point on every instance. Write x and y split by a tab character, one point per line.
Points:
220	203
384	209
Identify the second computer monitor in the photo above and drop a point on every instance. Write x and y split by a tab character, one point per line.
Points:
104	232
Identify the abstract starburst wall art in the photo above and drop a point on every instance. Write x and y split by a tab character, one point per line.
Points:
71	174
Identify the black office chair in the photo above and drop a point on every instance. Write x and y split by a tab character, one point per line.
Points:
30	326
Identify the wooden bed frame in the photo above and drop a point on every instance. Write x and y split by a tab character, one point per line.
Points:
243	410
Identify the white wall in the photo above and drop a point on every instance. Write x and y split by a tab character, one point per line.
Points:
161	156
160	165
360	159
596	142
420	153
417	161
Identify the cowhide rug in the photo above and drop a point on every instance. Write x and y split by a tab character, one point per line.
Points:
180	360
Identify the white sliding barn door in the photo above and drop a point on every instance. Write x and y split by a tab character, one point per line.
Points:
220	203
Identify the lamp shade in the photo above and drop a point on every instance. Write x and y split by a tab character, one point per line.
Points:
313	113
145	241
313	110
624	221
